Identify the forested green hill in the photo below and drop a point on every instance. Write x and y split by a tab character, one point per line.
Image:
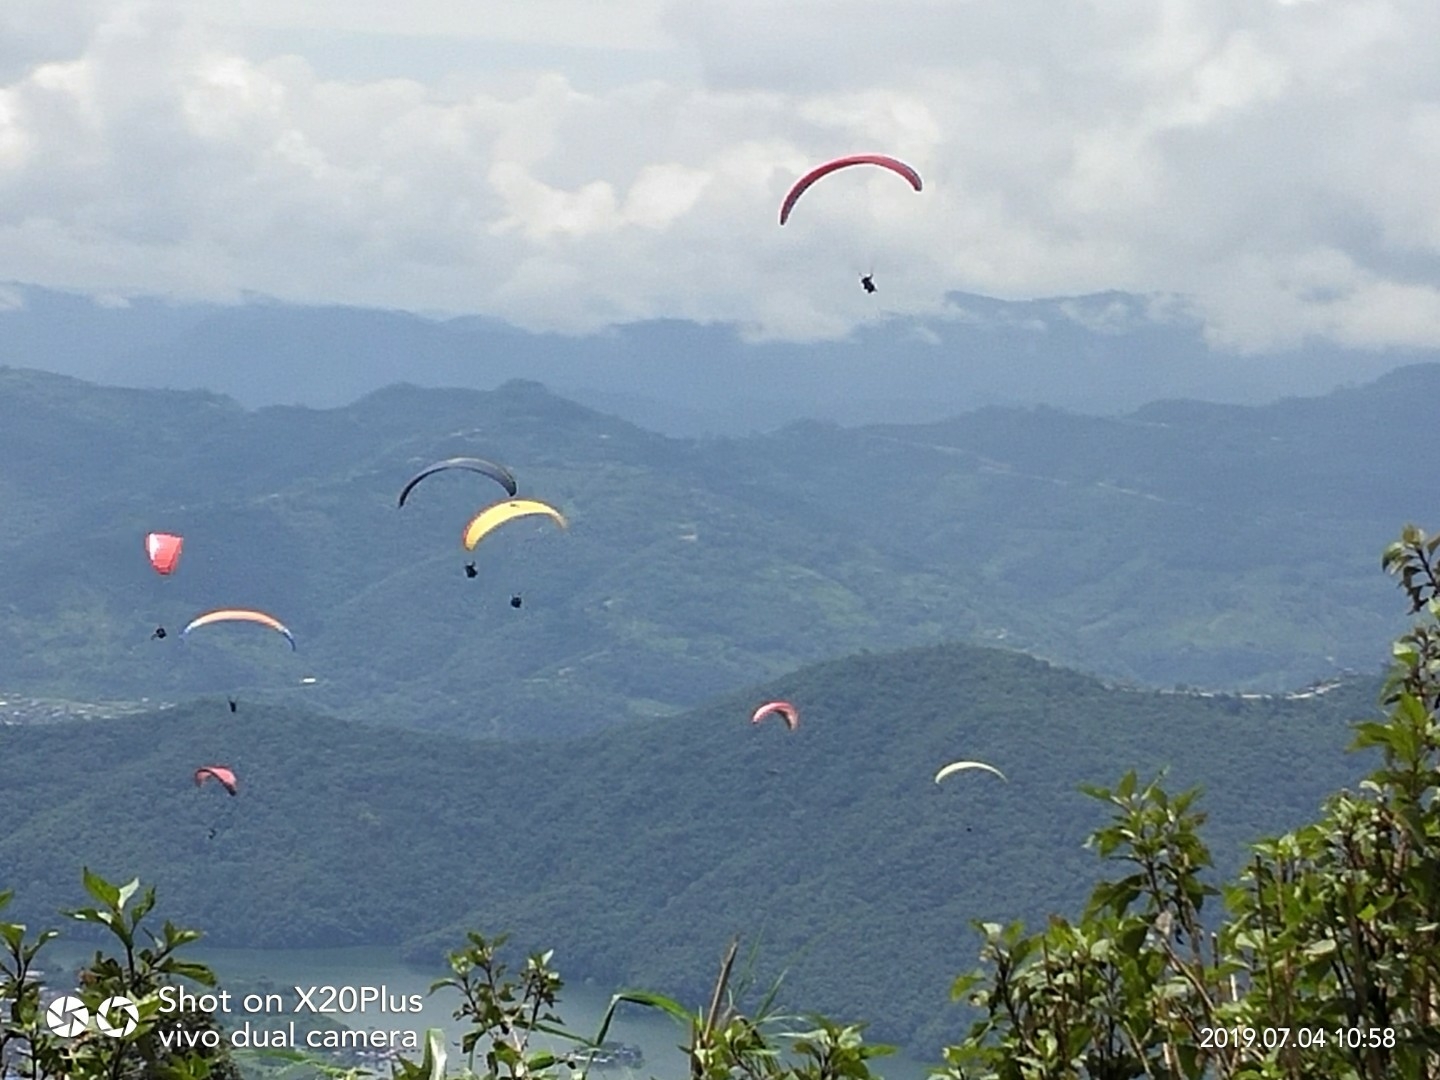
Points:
637	852
1218	546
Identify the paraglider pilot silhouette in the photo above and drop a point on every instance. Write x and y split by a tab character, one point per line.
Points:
868	281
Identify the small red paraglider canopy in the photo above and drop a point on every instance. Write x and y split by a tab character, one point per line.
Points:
220	773
164	551
783	709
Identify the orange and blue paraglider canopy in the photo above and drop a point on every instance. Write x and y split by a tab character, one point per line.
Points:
239	615
220	773
164	551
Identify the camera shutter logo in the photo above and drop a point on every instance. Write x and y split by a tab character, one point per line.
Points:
67	1017
106	1014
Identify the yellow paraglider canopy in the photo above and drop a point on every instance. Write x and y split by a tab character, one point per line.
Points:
492	517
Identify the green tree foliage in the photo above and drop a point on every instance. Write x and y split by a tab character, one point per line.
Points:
143	964
505	1012
724	1043
1324	963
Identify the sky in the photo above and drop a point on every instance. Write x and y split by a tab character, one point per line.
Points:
1266	166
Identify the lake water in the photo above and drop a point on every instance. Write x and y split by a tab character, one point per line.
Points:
581	1006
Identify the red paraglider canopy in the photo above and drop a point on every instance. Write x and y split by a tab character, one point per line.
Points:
883	160
782	709
220	773
164	551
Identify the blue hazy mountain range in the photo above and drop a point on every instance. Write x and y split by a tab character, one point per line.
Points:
1224	546
1101	354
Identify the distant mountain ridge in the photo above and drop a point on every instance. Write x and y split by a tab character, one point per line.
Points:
1219	546
1100	354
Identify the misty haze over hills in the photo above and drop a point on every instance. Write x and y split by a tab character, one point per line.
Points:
1098	354
1225	546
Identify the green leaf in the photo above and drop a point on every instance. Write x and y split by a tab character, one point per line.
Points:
963	984
434	1060
190	970
125	892
101	889
1405	652
651	1001
91	915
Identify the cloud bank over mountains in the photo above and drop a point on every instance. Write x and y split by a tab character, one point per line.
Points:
566	166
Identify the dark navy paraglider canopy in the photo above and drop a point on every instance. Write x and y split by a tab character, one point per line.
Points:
499	473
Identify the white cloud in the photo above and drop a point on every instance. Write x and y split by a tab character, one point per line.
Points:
614	24
37	31
663	193
1273	164
15	139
